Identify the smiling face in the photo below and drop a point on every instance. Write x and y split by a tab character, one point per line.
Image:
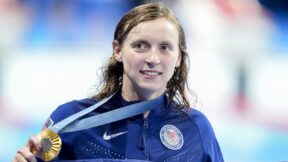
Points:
149	55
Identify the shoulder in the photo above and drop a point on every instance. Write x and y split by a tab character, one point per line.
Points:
70	108
207	135
201	121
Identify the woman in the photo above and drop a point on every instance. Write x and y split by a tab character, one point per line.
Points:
149	62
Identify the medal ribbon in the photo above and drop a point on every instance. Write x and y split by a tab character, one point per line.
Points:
51	141
70	124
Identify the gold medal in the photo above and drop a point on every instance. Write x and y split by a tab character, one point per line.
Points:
51	145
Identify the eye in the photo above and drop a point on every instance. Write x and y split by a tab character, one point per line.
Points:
166	48
140	46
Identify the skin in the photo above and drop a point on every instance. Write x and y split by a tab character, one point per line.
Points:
25	154
149	54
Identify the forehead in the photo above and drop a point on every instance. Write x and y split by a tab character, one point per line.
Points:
158	29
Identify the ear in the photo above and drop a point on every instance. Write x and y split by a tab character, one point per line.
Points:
178	60
117	51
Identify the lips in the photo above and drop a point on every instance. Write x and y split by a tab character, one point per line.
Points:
150	72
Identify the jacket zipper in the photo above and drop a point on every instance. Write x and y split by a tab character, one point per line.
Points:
145	138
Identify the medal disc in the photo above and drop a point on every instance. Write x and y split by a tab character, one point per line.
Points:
51	145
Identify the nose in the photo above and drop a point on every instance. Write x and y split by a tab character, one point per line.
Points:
153	58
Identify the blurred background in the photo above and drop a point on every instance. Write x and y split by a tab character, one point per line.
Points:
50	51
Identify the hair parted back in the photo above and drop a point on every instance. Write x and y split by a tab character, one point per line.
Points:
113	71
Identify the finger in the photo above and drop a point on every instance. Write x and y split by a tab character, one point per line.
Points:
26	154
19	158
35	141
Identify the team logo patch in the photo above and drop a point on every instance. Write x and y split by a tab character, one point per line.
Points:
171	137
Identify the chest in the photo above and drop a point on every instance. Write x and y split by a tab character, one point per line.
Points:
151	140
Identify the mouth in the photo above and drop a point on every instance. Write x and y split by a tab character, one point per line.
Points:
150	72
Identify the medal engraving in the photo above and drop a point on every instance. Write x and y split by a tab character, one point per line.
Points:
46	144
51	145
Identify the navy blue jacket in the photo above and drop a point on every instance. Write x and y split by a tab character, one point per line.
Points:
137	137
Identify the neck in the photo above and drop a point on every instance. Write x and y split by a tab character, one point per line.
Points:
132	93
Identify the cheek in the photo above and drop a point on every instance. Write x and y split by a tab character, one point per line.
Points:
169	68
130	64
171	71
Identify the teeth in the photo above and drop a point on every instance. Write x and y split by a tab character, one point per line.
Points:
151	73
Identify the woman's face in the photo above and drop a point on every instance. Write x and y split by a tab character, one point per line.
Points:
149	55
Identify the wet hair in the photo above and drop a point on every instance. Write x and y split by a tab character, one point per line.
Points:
113	71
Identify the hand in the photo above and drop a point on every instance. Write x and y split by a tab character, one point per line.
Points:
26	153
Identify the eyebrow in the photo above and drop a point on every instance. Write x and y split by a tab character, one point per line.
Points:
167	42
140	40
146	41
